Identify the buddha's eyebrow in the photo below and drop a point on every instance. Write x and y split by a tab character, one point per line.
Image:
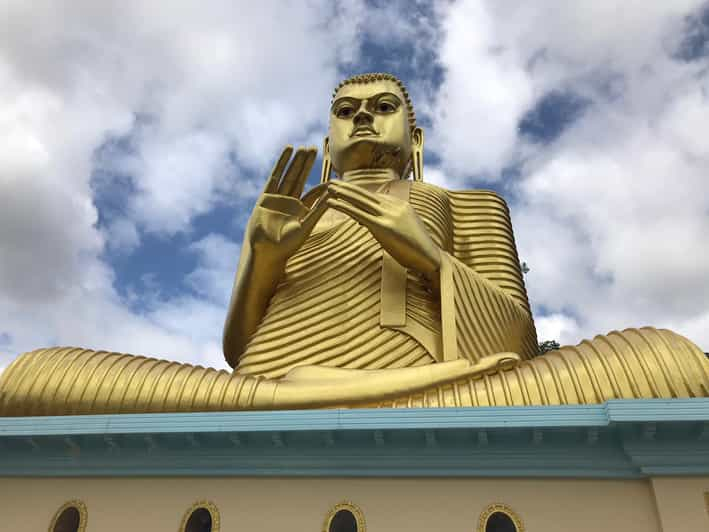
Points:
349	99
353	100
381	94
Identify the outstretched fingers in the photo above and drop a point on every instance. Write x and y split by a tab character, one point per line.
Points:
307	167
292	172
291	181
275	178
297	173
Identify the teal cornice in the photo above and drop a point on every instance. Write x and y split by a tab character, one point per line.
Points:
619	439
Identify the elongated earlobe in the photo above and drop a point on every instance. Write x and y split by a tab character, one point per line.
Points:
417	153
326	164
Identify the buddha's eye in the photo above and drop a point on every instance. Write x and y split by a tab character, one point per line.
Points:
344	112
385	107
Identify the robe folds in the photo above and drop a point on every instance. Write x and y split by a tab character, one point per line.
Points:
345	302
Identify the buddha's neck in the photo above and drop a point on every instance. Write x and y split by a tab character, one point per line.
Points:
372	176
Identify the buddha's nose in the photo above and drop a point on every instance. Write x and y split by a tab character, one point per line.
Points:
363	118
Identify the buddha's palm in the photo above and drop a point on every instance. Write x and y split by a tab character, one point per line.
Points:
280	222
278	226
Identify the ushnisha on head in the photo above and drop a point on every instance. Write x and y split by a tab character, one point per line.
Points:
372	126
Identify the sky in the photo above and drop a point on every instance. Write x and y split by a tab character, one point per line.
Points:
135	137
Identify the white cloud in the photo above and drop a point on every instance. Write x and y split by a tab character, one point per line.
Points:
204	95
217	91
559	327
214	275
485	92
612	217
436	176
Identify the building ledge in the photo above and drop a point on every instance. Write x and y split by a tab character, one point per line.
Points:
618	439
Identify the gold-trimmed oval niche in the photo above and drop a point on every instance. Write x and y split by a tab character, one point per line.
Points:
202	516
70	517
345	517
499	517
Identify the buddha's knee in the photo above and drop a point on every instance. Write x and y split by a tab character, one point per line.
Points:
636	363
60	381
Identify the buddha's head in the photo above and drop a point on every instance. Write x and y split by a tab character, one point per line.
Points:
373	126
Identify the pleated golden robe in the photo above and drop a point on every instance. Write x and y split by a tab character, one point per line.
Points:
344	302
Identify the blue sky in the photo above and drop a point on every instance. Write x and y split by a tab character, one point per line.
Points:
137	136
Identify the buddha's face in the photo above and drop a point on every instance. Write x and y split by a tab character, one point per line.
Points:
369	128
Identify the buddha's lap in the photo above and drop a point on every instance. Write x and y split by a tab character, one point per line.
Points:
635	363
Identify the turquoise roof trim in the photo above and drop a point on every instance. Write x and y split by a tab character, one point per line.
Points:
619	439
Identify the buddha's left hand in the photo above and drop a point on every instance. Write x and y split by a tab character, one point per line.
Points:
393	222
317	386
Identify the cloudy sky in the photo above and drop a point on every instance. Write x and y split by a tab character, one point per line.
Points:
135	135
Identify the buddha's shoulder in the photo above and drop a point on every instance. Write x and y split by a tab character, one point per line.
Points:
461	198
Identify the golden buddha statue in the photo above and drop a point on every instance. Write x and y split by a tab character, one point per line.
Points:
372	289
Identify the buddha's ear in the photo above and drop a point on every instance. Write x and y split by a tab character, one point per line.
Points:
417	153
326	163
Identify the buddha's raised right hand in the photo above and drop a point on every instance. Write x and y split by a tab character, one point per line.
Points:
278	226
280	222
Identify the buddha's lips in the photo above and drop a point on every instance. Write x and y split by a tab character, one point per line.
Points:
363	131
